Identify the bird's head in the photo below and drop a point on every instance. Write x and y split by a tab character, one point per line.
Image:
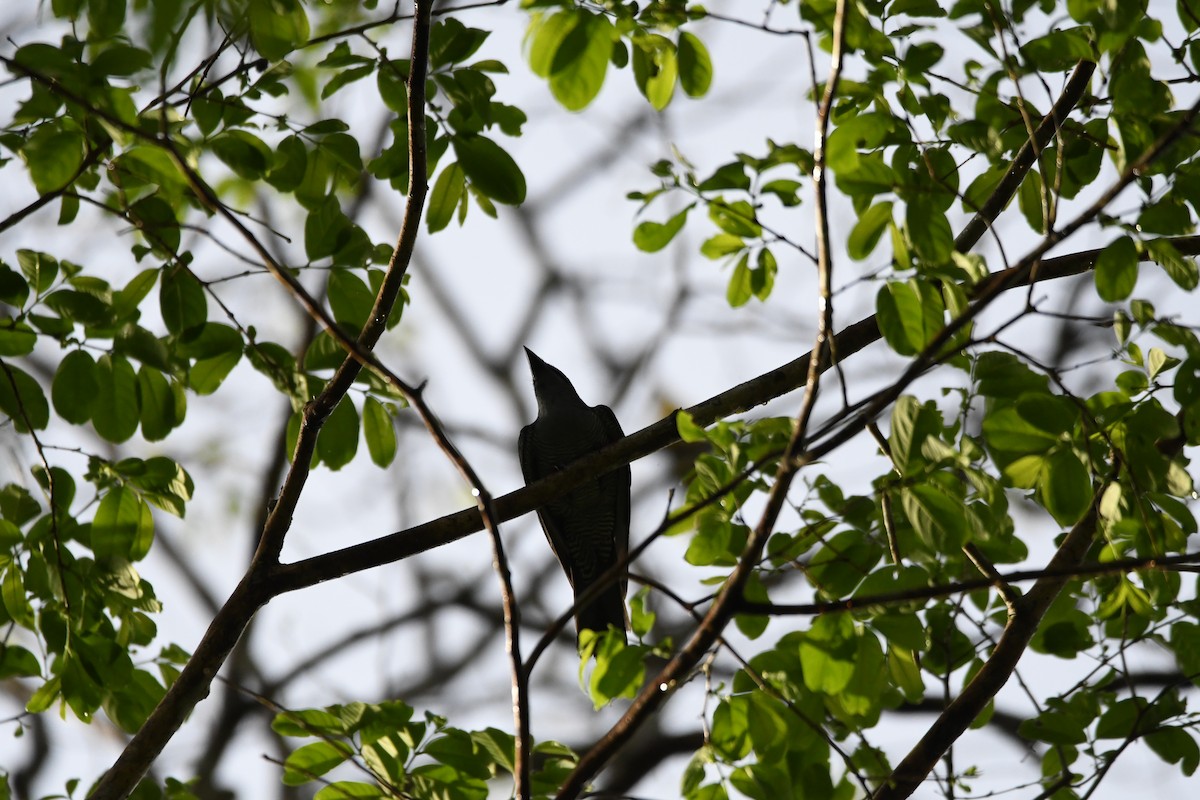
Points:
550	385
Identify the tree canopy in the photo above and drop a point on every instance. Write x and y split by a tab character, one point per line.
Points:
273	262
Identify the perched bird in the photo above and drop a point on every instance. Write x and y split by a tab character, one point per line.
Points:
588	528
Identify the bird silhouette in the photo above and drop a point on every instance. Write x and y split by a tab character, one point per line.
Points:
588	527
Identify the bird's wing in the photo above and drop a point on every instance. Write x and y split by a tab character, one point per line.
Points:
621	479
532	469
526	455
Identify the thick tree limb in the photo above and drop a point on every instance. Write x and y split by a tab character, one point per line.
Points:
963	710
648	440
195	680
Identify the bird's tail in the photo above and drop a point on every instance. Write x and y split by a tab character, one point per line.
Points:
606	609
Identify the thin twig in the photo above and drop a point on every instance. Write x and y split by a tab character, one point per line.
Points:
255	589
656	692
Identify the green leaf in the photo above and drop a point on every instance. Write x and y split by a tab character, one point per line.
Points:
45	696
16	661
740	288
912	423
326	230
862	131
689	431
619	670
123	527
10	534
1157	361
737	218
1006	431
1065	487
243	152
1053	414
161	482
208	340
827	654
716	541
379	432
137	342
392	87
1117	270
451	42
127	300
39	268
160	404
1029	199
79	307
866	232
121	59
181	299
445	197
115	412
277	27
22	399
53	156
16	338
939	519
490	169
351	790
721	245
901	629
1025	471
1059	50
727	176
288	165
156	221
1175	745
349	298
338	440
1003	375
308	722
1182	270
655	69
207	374
929	230
641	617
695	66
785	189
910	313
650	237
313	760
730	734
345	77
580	62
753	625
762	277
546	38
16	601
1054	727
1185	642
105	18
13	289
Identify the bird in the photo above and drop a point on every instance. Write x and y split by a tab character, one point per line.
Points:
588	527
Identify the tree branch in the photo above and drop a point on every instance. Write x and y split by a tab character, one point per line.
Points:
738	399
963	710
195	680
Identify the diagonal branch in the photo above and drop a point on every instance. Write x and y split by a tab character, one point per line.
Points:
709	630
963	710
1072	93
254	590
735	400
